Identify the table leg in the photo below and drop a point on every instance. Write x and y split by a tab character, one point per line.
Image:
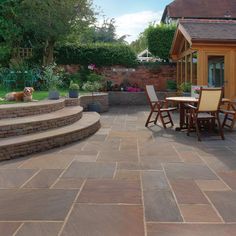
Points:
182	122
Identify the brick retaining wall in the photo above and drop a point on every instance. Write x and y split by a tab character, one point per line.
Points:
134	98
102	98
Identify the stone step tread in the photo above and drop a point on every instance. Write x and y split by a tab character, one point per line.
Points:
66	111
30	104
87	120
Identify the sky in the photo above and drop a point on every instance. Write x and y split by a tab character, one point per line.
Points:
132	16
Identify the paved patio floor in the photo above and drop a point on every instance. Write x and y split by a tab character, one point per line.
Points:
126	180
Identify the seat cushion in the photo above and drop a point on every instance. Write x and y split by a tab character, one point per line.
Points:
205	116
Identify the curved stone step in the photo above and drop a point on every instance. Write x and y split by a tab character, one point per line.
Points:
30	108
27	144
31	124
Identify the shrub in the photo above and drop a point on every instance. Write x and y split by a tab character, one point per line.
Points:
52	79
92	86
171	84
185	87
73	86
101	54
160	39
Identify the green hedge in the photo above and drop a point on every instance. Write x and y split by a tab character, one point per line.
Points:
160	39
98	54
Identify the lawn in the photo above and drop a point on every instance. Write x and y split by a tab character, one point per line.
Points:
37	95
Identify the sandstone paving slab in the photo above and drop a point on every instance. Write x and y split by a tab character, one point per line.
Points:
199	213
230	178
8	228
224	162
85	158
225	203
90	170
44	179
160	206
40	229
154	229
101	146
111	191
37	204
215	152
14	178
189	171
13	164
98	137
190	157
118	156
155	151
142	165
48	161
187	192
105	220
68	184
127	175
212	185
154	180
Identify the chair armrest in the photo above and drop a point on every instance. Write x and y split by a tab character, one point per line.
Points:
191	106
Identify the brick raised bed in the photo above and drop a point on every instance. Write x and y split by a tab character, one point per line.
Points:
134	98
102	98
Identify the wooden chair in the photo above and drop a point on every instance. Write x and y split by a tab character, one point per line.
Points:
229	115
207	111
158	107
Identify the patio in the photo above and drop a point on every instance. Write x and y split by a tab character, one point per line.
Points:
126	180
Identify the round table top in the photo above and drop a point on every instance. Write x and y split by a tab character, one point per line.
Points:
182	99
188	99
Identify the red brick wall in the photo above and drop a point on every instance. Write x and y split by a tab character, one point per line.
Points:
141	75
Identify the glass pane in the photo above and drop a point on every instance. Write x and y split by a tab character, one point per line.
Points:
194	65
216	71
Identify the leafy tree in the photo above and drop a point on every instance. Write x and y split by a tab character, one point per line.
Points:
141	43
43	22
10	29
52	20
106	33
160	39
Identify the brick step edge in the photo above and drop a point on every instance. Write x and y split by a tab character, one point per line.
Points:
86	126
30	108
41	123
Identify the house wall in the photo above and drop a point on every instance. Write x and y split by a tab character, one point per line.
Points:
229	53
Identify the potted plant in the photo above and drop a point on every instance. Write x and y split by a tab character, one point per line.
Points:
171	85
52	82
93	86
73	90
185	88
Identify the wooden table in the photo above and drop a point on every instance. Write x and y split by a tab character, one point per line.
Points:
181	101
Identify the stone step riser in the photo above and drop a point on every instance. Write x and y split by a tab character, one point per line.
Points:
37	126
30	109
43	144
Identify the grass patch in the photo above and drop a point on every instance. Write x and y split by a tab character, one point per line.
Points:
37	95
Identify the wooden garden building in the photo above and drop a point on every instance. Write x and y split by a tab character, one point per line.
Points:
205	52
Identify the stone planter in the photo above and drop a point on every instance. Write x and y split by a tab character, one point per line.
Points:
53	95
73	93
94	106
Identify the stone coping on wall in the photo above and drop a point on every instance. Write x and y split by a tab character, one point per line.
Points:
134	98
102	98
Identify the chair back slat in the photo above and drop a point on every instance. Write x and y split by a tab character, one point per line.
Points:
210	99
151	93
